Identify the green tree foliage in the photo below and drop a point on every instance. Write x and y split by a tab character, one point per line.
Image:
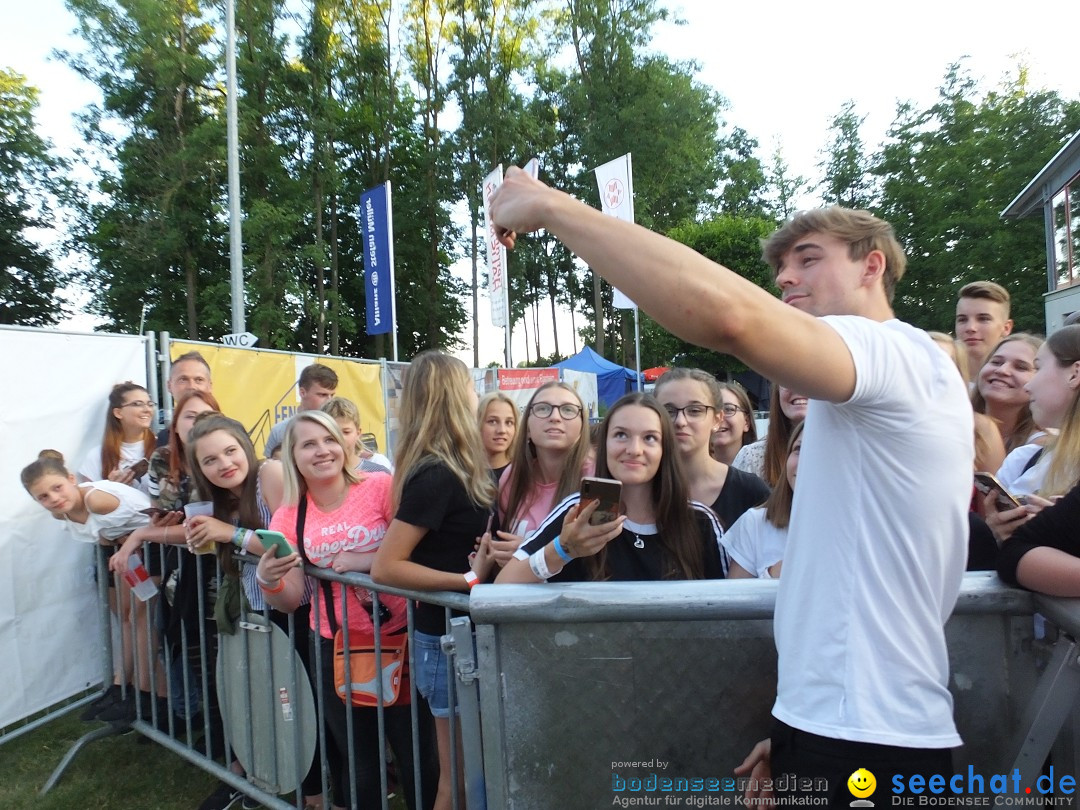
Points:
735	243
28	277
845	166
784	187
946	174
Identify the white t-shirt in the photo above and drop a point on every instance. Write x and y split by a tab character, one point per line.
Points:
123	520
130	452
878	543
754	543
1015	478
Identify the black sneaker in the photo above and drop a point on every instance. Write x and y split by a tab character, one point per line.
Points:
123	711
111	696
223	798
248	803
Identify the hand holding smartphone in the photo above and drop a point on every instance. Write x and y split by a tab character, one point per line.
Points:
277	540
987	483
608	492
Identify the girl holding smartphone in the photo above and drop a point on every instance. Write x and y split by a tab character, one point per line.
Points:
662	534
343	517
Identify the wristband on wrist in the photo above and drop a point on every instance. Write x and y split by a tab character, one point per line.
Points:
564	555
238	537
248	535
471	579
266	587
166	538
538	565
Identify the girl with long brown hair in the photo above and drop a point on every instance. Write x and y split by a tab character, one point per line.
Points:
661	534
128	438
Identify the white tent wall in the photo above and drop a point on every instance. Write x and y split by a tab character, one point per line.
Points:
55	390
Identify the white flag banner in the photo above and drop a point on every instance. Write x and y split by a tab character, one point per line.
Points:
497	280
617	200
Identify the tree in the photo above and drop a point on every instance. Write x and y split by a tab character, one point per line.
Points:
620	100
29	279
846	178
735	243
784	189
152	226
946	174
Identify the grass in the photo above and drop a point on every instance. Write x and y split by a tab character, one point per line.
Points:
114	772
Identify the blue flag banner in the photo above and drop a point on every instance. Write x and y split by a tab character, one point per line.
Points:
378	275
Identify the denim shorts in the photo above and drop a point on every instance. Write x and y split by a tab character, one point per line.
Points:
430	672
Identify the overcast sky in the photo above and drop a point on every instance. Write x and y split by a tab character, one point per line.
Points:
785	67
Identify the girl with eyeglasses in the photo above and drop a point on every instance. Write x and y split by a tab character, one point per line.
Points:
661	534
693	400
737	428
128	439
551	454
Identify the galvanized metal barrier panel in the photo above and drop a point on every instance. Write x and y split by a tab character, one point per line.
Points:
584	684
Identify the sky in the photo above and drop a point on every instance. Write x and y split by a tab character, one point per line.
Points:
786	69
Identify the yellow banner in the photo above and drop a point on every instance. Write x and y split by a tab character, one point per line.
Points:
259	389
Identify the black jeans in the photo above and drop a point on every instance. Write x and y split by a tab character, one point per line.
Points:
369	755
805	764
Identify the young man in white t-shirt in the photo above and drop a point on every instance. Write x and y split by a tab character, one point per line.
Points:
879	523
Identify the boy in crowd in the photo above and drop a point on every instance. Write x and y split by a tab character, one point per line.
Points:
982	319
317	385
869	581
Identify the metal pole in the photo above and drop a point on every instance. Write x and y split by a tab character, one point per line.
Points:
236	256
637	349
390	250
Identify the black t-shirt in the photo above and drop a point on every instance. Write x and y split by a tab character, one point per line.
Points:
635	555
1054	527
742	491
435	499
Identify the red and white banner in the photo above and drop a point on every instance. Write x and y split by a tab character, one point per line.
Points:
615	182
497	280
515	379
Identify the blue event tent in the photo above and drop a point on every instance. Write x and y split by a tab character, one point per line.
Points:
612	380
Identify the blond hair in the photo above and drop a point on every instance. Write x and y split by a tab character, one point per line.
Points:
1064	471
988	290
295	485
437	424
861	230
1025	423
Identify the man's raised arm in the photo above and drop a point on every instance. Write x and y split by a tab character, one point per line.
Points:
689	295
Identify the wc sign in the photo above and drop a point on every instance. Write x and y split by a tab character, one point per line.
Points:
241	340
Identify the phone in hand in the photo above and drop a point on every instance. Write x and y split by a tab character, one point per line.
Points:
606	490
154	511
276	539
139	468
987	483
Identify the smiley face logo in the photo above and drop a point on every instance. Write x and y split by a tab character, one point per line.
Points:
862	783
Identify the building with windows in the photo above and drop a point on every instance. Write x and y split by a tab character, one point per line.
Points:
1055	191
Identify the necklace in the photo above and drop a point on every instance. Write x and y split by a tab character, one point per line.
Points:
332	504
638	529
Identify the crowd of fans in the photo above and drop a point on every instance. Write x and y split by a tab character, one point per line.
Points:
484	493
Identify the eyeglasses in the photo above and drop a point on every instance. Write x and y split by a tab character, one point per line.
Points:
731	410
140	404
694	412
566	411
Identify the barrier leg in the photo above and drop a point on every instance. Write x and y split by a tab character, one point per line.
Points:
1048	710
82	742
464	657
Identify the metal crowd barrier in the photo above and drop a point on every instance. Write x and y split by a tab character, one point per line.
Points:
568	689
270	710
584	685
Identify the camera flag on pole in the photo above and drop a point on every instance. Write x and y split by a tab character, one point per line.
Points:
378	261
497	280
616	185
